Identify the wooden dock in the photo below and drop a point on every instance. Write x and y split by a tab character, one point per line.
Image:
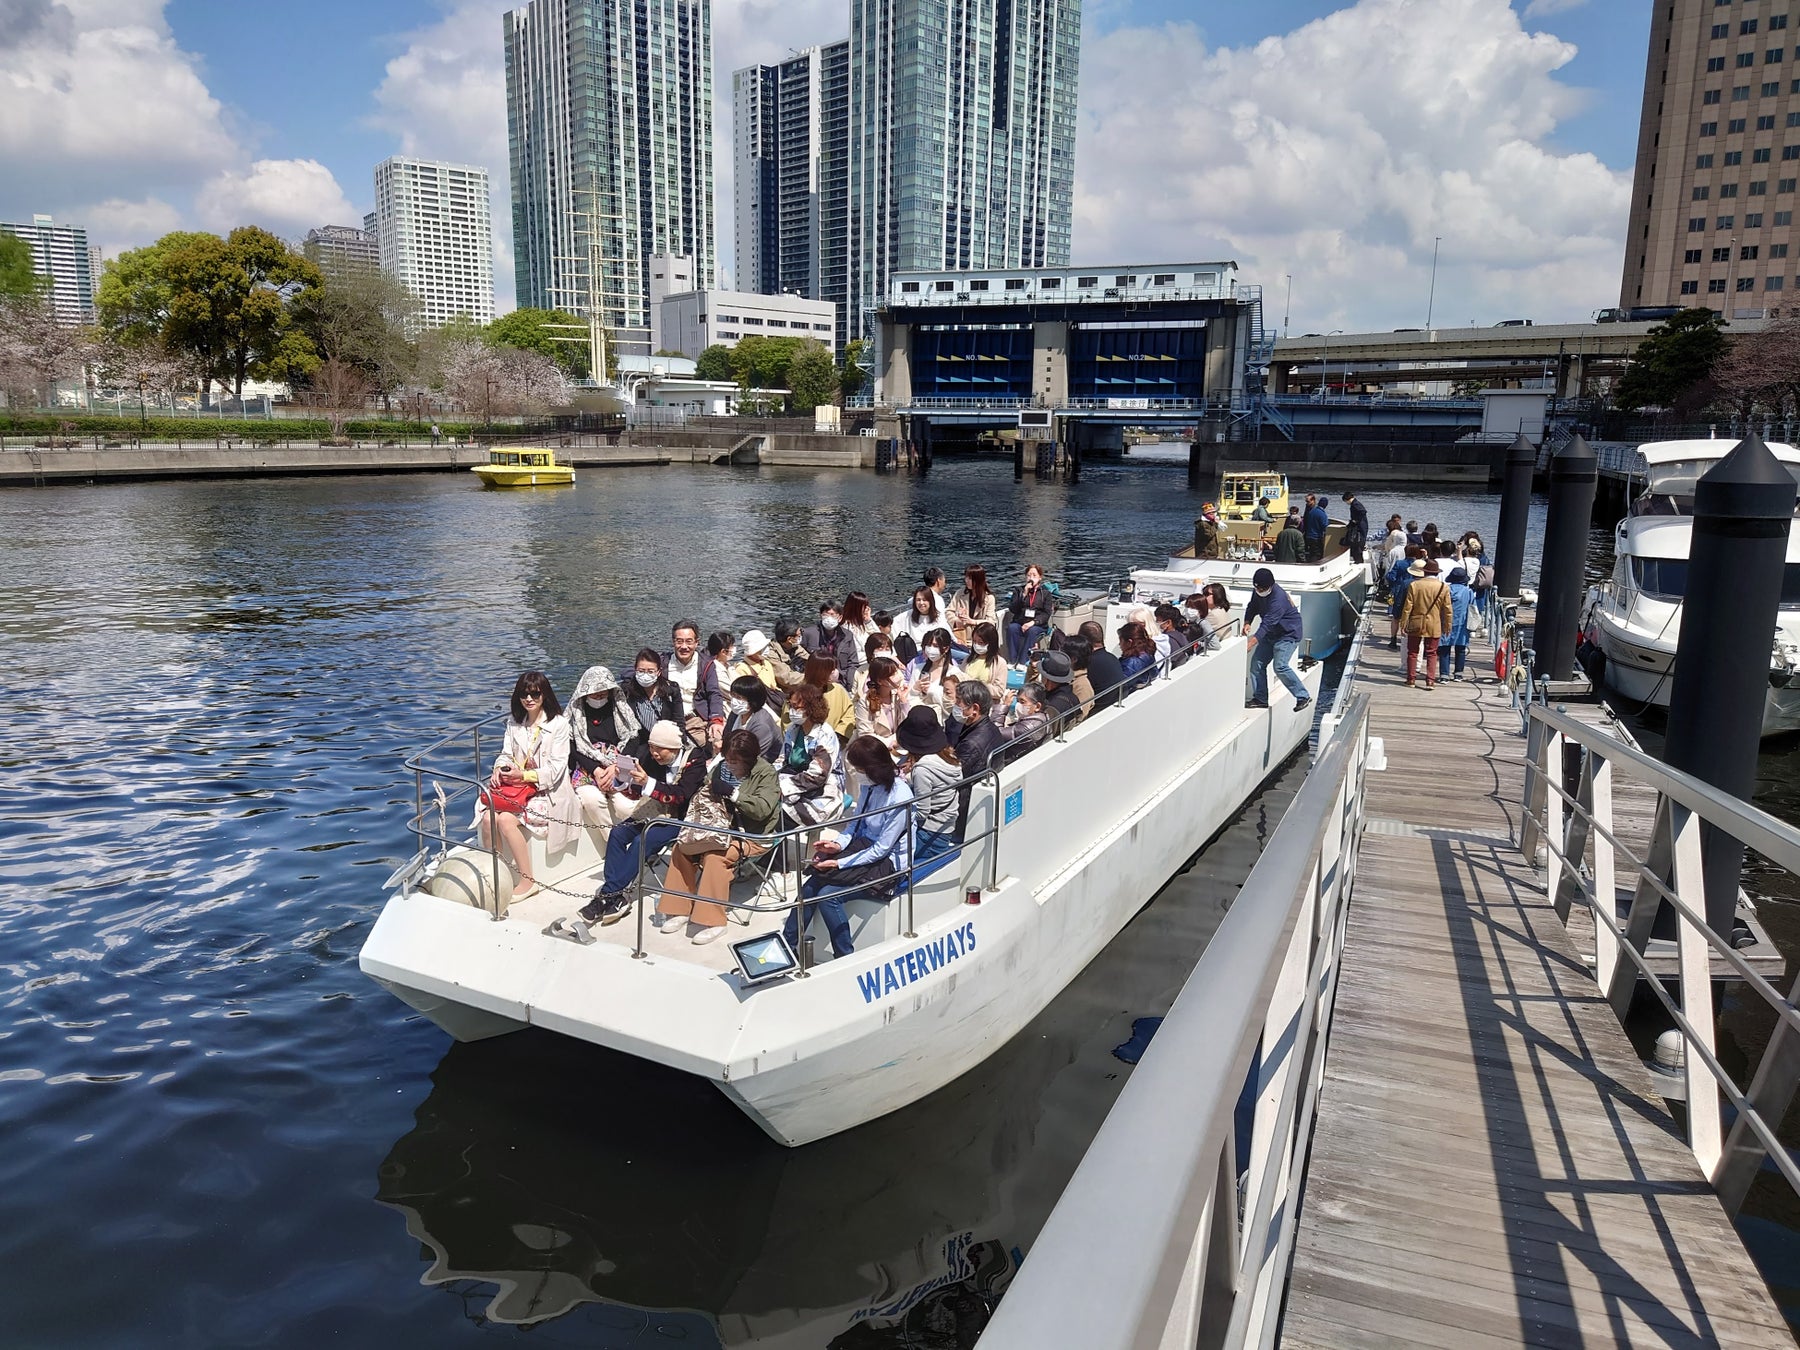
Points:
1491	1164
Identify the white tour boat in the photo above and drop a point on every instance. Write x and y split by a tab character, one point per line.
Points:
1329	594
1062	848
1633	620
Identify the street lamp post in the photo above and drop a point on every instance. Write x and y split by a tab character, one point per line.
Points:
1287	308
1325	364
1431	299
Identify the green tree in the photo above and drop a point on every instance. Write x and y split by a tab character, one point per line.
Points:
812	377
529	331
18	280
1674	362
851	375
715	364
362	318
226	303
762	362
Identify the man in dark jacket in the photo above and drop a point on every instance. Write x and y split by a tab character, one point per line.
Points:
1314	525
975	737
1290	544
1357	534
1057	676
1104	671
663	784
1277	640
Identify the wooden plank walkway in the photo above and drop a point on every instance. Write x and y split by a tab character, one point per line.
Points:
1491	1165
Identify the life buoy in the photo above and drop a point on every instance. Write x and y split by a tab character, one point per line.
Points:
1500	662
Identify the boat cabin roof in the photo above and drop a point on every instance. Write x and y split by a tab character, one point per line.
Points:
520	454
1675	466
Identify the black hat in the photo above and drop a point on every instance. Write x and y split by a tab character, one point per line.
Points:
1055	668
1263	577
920	733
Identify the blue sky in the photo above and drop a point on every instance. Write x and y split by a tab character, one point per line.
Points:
1337	151
303	89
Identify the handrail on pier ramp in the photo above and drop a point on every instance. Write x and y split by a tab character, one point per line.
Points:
1164	1232
1393	1106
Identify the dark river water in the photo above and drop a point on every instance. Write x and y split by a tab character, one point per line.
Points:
219	1133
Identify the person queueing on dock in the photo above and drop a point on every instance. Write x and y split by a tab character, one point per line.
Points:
1455	642
1356	536
1399	577
1425	617
1275	622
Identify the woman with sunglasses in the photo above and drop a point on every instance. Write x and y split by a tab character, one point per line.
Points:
528	793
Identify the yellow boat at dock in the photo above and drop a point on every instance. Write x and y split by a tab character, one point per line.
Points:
511	466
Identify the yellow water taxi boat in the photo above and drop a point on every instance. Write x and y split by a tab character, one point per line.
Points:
1240	492
523	466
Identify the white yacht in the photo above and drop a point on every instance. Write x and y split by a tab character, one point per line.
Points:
1062	848
1633	620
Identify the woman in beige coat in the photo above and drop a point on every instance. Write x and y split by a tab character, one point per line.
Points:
1424	618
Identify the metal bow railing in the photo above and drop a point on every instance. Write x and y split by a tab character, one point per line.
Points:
1164	1236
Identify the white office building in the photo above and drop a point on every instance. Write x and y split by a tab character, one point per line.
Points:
61	253
692	321
435	234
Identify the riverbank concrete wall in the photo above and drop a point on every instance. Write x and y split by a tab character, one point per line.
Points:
26	465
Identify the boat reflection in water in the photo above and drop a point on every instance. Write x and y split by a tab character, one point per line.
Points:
548	1178
582	1182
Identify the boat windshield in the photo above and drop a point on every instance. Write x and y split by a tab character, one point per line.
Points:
1666	579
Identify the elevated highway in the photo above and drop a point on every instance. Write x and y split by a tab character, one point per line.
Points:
1570	353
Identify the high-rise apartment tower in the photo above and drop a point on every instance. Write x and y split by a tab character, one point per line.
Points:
1718	161
962	137
344	247
609	121
61	253
434	232
791	181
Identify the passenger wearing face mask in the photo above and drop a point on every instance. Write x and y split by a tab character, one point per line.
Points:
883	702
786	655
651	699
985	662
746	710
600	722
743	794
925	675
827	638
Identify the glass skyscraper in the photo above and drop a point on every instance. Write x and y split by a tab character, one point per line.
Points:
962	137
609	121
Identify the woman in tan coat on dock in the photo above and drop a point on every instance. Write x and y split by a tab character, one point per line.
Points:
1424	618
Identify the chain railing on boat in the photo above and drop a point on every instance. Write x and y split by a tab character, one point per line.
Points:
1577	831
1195	1238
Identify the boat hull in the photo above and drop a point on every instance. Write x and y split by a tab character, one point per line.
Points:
506	476
1642	672
1094	825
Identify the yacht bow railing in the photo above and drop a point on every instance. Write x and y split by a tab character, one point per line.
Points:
1165	1235
1577	831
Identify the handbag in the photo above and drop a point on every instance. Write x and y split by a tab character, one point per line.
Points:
705	810
510	798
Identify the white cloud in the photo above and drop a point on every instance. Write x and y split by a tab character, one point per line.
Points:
97	98
116	224
1543	9
286	196
1325	155
444	97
